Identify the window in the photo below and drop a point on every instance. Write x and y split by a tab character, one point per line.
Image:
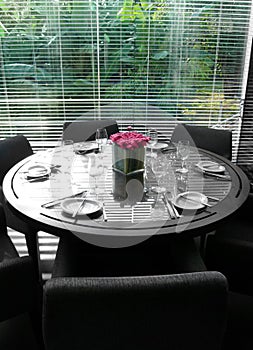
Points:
245	152
142	62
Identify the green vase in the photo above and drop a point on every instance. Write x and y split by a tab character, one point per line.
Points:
128	173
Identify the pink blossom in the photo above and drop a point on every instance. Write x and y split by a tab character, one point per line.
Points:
129	140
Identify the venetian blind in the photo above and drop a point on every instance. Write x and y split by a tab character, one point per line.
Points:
245	151
144	63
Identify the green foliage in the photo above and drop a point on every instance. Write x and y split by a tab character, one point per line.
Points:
139	48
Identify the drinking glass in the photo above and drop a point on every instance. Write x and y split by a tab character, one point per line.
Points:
67	154
183	152
101	138
96	169
158	168
152	133
68	148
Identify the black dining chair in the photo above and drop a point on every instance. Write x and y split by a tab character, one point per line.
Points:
213	140
184	311
20	297
85	130
230	249
13	150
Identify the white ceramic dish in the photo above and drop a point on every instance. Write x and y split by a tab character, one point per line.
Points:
190	200
38	170
70	205
158	146
210	167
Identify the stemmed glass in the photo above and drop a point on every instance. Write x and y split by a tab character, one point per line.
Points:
183	151
101	138
152	133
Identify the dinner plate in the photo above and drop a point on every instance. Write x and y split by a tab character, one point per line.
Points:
190	200
210	167
158	146
38	170
70	205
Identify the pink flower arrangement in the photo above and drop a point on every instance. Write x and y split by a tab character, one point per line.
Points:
129	140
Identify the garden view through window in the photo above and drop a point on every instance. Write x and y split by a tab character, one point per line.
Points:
62	58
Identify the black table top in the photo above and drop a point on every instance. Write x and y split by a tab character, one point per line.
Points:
125	224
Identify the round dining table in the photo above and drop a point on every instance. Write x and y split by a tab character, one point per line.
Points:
66	177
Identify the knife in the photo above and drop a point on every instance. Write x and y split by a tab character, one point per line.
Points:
177	215
195	201
38	178
104	212
218	176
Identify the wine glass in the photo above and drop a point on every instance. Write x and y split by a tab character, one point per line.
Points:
183	152
96	169
101	138
152	133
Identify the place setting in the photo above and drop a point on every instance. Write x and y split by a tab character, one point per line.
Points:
193	201
83	148
77	206
154	145
80	207
212	169
37	172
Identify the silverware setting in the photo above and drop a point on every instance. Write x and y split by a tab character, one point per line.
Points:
168	207
196	201
213	198
175	212
104	212
38	178
218	176
76	212
51	204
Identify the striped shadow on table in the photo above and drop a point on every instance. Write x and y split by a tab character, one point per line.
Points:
47	246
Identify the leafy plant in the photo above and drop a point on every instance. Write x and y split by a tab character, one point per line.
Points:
127	48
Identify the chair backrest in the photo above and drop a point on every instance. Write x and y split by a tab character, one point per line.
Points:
174	312
217	141
86	130
13	150
20	297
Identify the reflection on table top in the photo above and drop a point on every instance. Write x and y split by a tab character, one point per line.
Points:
69	175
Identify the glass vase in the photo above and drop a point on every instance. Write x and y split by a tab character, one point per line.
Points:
128	173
